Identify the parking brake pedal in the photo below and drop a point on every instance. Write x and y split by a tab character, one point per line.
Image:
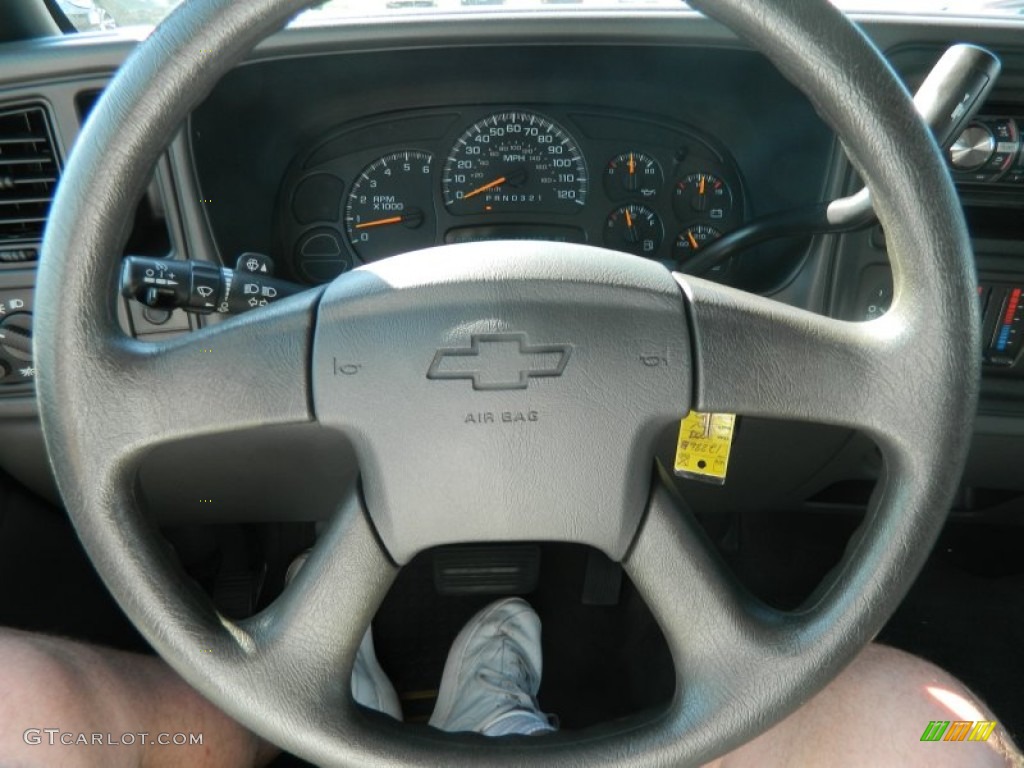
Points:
500	569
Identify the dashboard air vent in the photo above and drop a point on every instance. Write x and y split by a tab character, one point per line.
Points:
28	173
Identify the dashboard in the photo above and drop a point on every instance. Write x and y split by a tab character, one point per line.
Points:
403	181
609	160
649	133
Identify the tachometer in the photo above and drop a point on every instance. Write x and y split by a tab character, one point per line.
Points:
390	208
515	162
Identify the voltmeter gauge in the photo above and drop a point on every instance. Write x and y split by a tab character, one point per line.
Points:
634	229
702	194
632	174
390	208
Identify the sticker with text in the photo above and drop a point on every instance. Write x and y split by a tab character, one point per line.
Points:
705	441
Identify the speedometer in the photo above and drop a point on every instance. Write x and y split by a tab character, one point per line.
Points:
515	162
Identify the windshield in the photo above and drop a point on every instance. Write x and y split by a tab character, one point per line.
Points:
107	14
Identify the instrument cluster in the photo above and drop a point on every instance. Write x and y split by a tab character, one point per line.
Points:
406	181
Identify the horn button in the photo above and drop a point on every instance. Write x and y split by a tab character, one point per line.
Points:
503	391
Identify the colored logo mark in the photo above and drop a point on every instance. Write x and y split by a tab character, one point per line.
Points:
958	730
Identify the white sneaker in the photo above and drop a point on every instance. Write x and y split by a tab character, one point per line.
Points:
492	675
370	685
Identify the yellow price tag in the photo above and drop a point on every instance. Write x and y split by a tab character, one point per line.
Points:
702	452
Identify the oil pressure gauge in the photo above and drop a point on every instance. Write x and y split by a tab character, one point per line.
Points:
632	174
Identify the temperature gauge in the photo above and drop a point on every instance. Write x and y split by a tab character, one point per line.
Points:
632	174
704	195
634	229
692	239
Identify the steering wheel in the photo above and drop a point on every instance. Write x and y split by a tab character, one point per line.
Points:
394	355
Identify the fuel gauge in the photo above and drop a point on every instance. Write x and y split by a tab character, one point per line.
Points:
634	229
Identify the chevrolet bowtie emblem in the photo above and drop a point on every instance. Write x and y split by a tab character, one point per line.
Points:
495	361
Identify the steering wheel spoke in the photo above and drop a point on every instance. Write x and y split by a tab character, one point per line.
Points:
759	357
314	628
710	622
731	652
248	372
295	656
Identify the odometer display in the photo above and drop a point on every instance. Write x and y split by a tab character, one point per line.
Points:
515	162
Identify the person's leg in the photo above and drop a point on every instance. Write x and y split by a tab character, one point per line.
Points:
54	691
875	714
56	694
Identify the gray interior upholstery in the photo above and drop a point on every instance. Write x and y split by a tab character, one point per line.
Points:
909	380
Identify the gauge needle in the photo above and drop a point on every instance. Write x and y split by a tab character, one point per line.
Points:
411	218
485	187
379	222
693	240
703	184
632	164
629	219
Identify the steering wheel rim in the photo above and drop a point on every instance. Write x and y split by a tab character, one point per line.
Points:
909	379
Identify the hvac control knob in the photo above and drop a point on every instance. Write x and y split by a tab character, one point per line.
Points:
973	148
16	336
